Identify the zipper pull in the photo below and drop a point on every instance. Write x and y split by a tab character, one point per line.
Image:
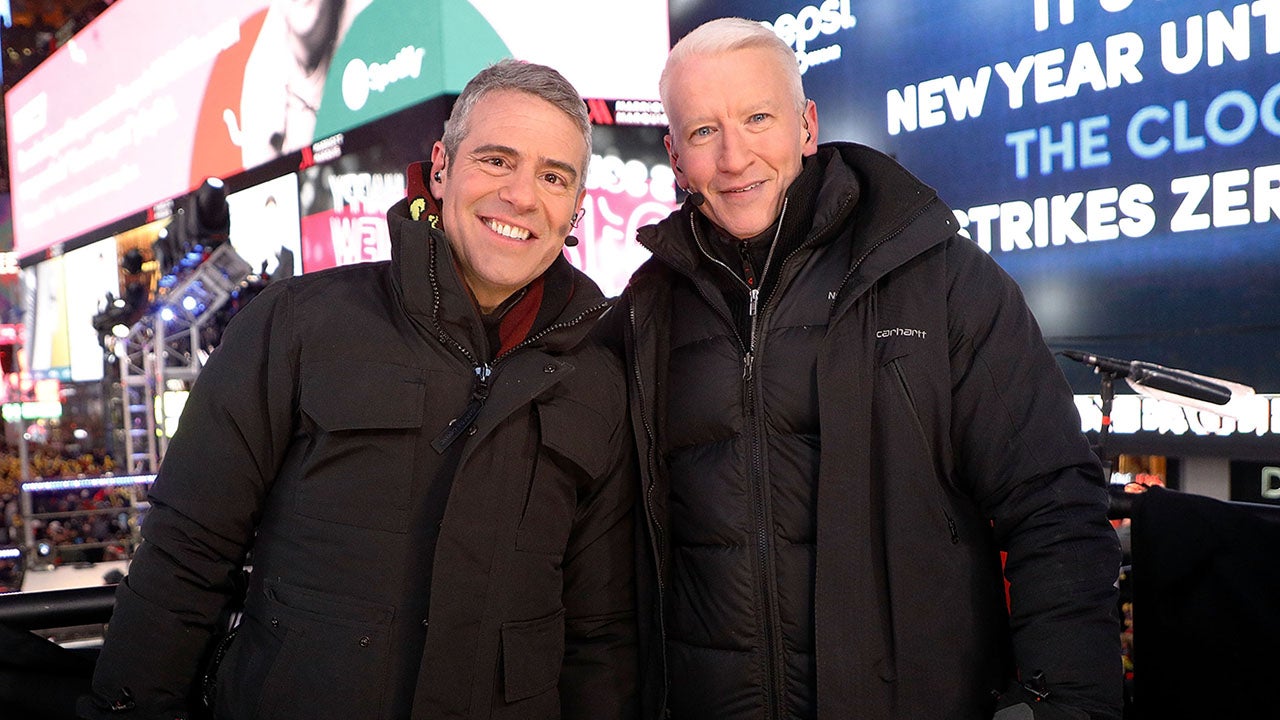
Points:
460	424
747	361
754	296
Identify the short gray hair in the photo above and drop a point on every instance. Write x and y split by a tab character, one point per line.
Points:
722	35
539	81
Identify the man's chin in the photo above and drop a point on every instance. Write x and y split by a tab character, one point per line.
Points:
743	230
743	223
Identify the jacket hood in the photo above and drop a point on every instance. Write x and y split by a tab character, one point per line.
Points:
886	201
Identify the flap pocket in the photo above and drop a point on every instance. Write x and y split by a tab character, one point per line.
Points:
577	442
577	432
362	394
367	417
327	607
334	659
532	654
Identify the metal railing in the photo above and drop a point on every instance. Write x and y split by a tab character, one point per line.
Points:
57	608
136	504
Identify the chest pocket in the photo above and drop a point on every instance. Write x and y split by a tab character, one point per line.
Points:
365	418
576	442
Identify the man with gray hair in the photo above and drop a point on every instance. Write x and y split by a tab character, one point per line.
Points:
428	464
845	414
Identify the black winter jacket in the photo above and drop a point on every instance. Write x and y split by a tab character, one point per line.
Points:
308	438
827	497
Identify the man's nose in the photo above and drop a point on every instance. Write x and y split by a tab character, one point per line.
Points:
520	190
734	156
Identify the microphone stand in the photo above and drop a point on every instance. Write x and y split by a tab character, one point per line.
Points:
1108	394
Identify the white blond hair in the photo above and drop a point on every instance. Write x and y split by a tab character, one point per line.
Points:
722	35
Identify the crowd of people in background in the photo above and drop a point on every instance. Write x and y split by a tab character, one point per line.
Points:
88	525
47	463
99	529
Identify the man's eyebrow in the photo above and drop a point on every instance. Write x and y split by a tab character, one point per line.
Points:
565	167
493	148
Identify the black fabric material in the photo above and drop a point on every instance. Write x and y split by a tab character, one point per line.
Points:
40	680
308	437
1206	589
742	449
946	434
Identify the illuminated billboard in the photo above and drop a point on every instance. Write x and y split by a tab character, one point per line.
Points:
154	96
62	296
629	185
264	226
1120	158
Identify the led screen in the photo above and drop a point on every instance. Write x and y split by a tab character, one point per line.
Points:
47	342
154	96
264	226
1119	158
61	297
91	273
344	206
629	185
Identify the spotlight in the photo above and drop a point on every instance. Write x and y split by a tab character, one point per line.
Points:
132	261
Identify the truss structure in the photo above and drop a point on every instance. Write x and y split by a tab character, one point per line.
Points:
165	346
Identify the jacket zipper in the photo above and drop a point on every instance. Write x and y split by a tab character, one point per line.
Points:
924	438
483	371
209	684
459	425
733	327
773	667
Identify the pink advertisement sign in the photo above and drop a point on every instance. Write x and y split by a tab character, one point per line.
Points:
154	96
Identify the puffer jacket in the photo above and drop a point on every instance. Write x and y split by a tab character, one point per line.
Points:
827	491
314	435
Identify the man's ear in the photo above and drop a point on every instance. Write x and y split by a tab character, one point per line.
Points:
681	180
810	128
439	164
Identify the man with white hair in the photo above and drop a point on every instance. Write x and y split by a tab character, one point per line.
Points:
846	414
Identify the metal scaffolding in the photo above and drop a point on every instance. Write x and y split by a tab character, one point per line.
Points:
165	346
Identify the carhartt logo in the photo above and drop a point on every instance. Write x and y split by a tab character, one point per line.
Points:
901	332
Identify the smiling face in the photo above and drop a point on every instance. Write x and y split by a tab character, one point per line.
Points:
509	195
737	136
